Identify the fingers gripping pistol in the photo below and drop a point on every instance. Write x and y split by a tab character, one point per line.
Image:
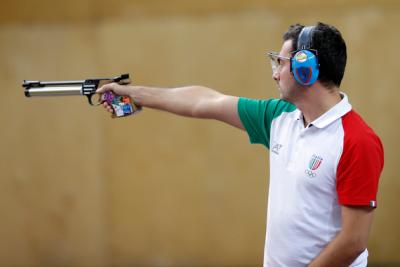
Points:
122	105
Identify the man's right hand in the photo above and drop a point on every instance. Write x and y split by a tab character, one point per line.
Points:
118	89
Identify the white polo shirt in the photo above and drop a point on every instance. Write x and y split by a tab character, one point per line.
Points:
336	160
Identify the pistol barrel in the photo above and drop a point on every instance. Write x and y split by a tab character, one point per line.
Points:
53	91
86	87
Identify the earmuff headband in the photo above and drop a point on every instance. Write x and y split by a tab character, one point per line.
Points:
305	38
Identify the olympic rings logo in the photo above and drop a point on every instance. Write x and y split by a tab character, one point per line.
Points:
310	173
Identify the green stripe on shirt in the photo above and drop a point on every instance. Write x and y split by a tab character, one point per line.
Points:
257	117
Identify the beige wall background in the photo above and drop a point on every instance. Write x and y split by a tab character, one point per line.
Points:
80	189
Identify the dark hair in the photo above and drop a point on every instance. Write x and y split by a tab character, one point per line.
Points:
332	55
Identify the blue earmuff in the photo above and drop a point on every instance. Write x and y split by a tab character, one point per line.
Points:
304	62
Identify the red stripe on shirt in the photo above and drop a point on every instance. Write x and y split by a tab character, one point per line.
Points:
361	162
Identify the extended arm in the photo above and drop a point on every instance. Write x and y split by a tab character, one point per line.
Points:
350	242
190	101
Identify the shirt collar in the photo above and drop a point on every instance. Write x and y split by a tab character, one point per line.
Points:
336	112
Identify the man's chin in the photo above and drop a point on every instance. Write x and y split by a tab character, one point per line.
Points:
286	98
282	95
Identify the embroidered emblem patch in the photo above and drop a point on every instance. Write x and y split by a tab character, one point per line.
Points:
315	162
313	165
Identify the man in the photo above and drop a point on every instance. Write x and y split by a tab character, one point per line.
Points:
325	161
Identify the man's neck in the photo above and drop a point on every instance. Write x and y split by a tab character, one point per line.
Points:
317	100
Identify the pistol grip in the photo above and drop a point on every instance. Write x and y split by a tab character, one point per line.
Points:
122	105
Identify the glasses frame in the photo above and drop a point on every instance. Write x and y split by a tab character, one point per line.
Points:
275	60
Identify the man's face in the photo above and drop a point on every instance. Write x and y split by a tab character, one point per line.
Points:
287	86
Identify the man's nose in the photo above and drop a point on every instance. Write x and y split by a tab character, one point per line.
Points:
275	76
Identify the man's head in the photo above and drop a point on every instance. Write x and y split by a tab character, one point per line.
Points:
331	50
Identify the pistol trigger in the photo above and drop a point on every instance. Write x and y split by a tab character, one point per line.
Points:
90	99
99	101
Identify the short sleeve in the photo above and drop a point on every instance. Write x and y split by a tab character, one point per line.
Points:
257	116
360	165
